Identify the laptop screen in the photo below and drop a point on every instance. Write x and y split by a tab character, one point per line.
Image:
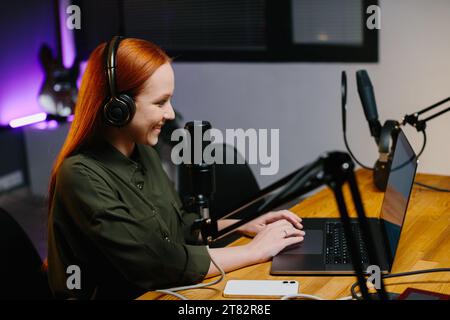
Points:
398	191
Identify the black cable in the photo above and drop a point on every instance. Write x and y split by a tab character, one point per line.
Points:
344	125
351	153
396	275
423	144
413	157
396	168
344	131
347	146
433	188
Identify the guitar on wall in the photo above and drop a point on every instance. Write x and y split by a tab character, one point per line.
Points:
59	91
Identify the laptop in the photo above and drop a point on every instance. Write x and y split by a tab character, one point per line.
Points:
324	250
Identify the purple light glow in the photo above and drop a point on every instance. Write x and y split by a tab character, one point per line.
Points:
45	125
83	65
40	125
34	118
52	124
19	94
70	118
22	75
68	43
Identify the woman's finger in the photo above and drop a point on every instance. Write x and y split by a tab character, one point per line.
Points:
292	217
292	240
280	223
293	232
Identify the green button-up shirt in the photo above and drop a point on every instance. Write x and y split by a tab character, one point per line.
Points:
121	221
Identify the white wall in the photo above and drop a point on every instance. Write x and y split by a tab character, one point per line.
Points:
303	99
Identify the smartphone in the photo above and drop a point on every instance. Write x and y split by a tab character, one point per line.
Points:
260	288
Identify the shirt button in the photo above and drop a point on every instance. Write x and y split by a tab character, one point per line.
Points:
140	186
167	238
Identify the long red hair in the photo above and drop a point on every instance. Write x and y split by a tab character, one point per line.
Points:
137	60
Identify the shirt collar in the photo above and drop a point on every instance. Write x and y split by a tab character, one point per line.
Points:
115	160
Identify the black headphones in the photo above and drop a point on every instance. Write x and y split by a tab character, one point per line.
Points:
120	107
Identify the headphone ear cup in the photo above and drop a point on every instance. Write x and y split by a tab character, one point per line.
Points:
129	101
116	112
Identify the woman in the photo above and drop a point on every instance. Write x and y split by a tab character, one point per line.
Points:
113	212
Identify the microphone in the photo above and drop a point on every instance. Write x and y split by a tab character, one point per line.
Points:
199	176
367	96
384	135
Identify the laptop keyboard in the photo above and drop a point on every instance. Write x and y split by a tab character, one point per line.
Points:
337	251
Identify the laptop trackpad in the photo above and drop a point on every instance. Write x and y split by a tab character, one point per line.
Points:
312	244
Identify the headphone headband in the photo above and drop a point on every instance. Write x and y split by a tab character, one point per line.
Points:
111	64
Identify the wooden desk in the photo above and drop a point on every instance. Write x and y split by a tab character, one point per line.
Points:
424	243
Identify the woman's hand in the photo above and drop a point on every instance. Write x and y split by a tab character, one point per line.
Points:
274	232
274	238
255	226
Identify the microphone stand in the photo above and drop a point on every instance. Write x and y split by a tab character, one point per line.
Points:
333	169
420	125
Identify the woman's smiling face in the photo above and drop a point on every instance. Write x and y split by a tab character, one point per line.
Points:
153	106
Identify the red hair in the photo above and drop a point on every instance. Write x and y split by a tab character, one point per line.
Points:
137	60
